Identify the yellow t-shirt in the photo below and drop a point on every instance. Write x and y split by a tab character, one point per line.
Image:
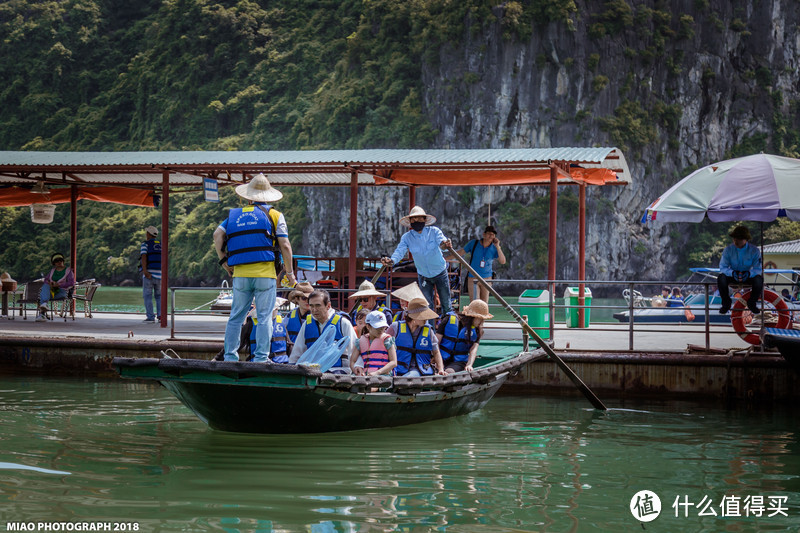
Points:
255	270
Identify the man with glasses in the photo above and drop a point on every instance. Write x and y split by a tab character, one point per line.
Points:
323	316
425	243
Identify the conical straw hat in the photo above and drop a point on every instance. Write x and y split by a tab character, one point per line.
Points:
259	190
417	211
366	289
409	292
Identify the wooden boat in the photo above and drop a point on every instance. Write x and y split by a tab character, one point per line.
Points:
274	398
787	341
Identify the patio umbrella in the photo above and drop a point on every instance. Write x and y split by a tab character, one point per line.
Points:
758	188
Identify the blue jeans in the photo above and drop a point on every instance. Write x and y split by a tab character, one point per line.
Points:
244	290
44	294
442	285
151	287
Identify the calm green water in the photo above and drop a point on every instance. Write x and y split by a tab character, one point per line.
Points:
120	451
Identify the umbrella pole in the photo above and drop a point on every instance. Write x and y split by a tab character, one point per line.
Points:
593	399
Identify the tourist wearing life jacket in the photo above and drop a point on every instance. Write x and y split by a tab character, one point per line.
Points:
416	344
150	258
249	335
404	295
248	243
298	315
323	316
367	299
459	335
425	243
375	347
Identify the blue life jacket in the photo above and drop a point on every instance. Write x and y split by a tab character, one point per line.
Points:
277	349
412	354
313	332
456	340
153	255
251	236
294	323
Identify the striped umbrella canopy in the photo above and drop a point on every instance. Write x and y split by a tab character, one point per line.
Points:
758	187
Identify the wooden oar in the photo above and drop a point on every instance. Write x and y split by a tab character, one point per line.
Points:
595	401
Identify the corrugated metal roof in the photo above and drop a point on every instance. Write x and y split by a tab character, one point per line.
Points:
787	247
313	167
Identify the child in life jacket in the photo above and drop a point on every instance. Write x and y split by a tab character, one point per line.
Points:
376	348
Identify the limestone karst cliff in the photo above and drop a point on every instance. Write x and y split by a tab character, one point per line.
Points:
674	84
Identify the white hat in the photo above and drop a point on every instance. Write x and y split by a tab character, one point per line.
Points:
417	211
365	289
376	319
152	230
259	190
409	292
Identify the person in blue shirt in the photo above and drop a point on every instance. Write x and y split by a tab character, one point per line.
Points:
483	252
740	263
425	242
150	257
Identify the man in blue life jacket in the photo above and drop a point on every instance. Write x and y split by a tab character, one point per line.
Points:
249	244
740	263
293	322
324	316
150	257
425	243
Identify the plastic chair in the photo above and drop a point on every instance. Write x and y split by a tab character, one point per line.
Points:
84	292
29	296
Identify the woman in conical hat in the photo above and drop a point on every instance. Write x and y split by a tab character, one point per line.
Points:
417	346
405	295
425	243
367	298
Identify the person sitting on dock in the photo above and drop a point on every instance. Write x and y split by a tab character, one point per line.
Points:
425	243
459	335
323	316
57	284
367	299
298	315
249	244
740	263
417	346
375	347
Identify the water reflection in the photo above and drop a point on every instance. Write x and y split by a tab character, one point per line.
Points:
520	464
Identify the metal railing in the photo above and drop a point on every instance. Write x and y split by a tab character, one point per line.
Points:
706	288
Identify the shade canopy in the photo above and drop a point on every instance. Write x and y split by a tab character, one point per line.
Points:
592	166
759	188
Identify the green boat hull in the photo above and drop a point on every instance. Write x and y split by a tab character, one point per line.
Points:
256	398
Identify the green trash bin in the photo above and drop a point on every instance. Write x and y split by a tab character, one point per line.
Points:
534	306
571	298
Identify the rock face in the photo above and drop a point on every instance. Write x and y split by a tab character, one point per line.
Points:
674	85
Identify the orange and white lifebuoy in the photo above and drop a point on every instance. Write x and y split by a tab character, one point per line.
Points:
770	264
740	319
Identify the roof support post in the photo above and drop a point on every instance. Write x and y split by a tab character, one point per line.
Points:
73	230
412	197
551	246
164	245
351	268
581	251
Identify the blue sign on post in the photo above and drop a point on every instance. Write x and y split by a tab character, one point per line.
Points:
210	190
